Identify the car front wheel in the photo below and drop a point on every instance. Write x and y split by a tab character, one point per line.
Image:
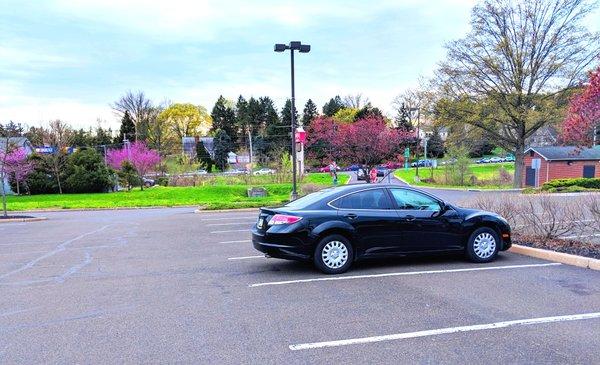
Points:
483	245
334	254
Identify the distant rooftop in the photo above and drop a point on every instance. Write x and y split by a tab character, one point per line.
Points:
567	153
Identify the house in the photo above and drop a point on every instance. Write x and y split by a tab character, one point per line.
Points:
543	164
16	142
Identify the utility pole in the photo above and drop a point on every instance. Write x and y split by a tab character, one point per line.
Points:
418	140
251	154
104	148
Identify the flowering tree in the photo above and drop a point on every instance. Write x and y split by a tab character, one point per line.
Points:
584	112
370	141
17	167
320	136
138	154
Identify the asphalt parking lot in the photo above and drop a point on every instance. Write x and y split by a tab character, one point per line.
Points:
168	285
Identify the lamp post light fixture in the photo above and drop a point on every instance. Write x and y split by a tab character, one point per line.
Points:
302	48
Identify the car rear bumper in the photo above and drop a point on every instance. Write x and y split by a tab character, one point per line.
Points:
291	248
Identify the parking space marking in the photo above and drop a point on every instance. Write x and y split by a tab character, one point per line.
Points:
238	241
403	273
233	230
226	224
443	331
246	257
228	219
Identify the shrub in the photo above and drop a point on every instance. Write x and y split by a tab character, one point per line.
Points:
581	182
86	172
163	181
128	176
41	180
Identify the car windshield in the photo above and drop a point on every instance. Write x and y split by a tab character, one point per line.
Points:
309	199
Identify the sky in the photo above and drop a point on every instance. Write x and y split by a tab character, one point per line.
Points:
70	59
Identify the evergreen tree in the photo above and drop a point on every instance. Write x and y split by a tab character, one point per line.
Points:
402	119
223	117
286	115
309	113
222	146
127	129
332	106
435	144
102	136
256	117
203	156
242	120
368	111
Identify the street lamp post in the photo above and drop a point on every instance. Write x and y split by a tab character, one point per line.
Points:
302	48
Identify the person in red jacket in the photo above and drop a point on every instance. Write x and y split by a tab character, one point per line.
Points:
373	175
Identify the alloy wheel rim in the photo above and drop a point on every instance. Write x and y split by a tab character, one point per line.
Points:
484	245
334	254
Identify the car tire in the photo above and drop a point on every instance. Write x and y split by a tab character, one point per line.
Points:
334	254
483	245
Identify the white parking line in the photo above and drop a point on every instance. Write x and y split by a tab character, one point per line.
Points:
226	224
442	331
229	218
238	241
233	230
246	257
403	273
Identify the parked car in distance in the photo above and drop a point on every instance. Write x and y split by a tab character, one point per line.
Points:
509	158
148	182
201	172
422	163
496	160
360	174
264	171
381	171
393	165
333	227
483	160
353	168
236	172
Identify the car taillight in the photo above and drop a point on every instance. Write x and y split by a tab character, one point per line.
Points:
283	219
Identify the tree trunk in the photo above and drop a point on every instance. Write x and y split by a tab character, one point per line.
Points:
3	195
18	187
58	182
519	166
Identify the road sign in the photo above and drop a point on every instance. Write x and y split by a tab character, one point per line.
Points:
536	163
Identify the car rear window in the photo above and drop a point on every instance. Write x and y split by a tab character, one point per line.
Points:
309	199
366	199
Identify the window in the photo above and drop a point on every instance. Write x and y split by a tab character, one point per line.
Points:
411	200
366	199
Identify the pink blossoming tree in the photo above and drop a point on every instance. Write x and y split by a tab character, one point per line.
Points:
138	154
584	112
17	166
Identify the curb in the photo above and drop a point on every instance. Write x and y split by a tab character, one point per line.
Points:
34	219
563	258
205	211
55	210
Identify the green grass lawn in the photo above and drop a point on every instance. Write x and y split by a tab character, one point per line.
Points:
487	176
323	178
220	196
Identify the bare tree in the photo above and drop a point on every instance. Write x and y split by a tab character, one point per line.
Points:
58	136
139	108
355	101
521	57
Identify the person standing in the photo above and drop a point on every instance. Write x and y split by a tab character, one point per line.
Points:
333	172
373	175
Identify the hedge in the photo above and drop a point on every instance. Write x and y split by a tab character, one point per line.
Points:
587	183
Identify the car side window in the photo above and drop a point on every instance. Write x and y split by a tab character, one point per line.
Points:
412	200
367	199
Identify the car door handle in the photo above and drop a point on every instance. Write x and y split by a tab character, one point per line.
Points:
409	218
351	216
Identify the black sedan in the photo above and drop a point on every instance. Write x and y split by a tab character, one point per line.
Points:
335	227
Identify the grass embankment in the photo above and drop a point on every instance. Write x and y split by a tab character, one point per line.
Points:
487	176
208	197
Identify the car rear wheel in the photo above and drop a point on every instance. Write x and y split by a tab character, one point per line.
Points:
334	254
483	245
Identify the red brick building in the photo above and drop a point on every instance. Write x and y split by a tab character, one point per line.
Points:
559	162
